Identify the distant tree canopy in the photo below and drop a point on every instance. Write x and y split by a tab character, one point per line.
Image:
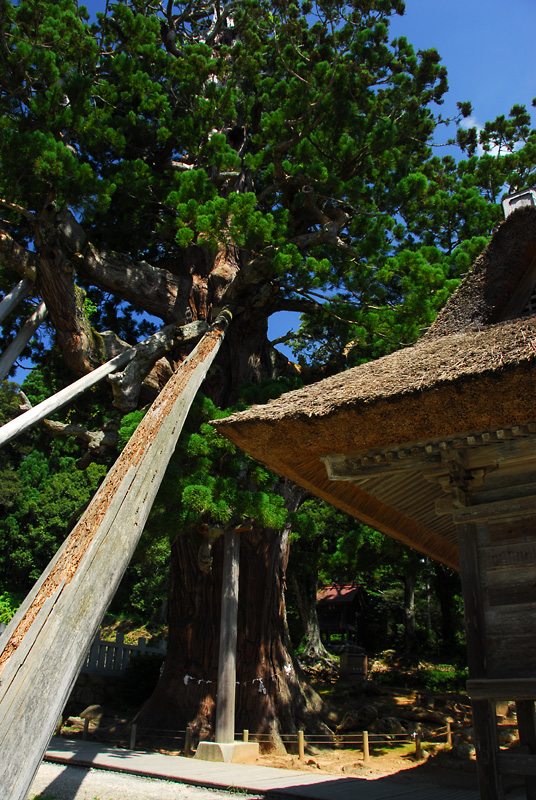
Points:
291	142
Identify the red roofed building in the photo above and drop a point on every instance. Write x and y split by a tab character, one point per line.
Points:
337	606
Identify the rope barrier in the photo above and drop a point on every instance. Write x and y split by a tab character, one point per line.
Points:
363	739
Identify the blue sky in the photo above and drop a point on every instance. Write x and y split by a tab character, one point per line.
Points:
486	45
488	49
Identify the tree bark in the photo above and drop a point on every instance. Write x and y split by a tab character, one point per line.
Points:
446	586
409	614
314	650
272	696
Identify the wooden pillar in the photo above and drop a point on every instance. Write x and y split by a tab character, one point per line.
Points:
527	737
484	719
225	706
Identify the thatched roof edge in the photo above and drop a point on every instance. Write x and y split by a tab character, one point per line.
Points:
430	364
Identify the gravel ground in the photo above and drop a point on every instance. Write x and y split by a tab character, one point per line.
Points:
59	782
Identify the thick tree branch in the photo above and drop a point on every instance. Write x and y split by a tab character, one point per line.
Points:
16	258
154	289
99	443
126	385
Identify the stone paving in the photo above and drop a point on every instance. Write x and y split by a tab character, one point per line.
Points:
277	784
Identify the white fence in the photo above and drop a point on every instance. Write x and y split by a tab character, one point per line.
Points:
112	658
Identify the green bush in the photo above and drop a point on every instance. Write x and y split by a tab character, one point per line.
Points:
9	602
431	678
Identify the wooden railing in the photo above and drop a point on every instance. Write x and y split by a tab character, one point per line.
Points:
112	658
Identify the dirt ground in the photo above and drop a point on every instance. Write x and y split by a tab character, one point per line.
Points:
390	715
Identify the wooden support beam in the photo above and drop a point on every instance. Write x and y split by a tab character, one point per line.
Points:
484	719
16	426
46	642
500	510
502	688
13	298
527	737
15	348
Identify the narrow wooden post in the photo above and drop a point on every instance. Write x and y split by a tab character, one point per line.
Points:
366	752
449	734
527	738
16	426
418	748
301	745
245	735
225	704
86	728
15	348
188	741
46	642
133	731
13	298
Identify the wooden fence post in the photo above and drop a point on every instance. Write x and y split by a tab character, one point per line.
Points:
449	735
418	750
301	745
366	752
133	731
188	741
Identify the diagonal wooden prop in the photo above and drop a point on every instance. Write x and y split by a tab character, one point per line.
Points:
44	646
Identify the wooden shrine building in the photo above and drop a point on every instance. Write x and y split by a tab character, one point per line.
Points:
435	445
337	607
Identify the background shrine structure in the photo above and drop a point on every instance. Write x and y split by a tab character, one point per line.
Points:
435	445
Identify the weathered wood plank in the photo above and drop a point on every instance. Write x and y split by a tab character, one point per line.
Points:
487	750
502	509
16	426
502	688
512	595
517	763
15	348
516	575
527	737
83	579
13	298
519	530
509	554
473	601
511	655
484	722
225	706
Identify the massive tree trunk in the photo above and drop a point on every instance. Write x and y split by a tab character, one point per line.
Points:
272	695
305	588
447	586
409	614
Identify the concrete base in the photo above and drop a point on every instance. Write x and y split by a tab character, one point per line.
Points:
231	752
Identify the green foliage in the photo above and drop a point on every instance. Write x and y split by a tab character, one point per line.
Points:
297	135
209	481
426	677
9	602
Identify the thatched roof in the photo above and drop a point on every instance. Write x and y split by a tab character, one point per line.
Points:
489	293
466	381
